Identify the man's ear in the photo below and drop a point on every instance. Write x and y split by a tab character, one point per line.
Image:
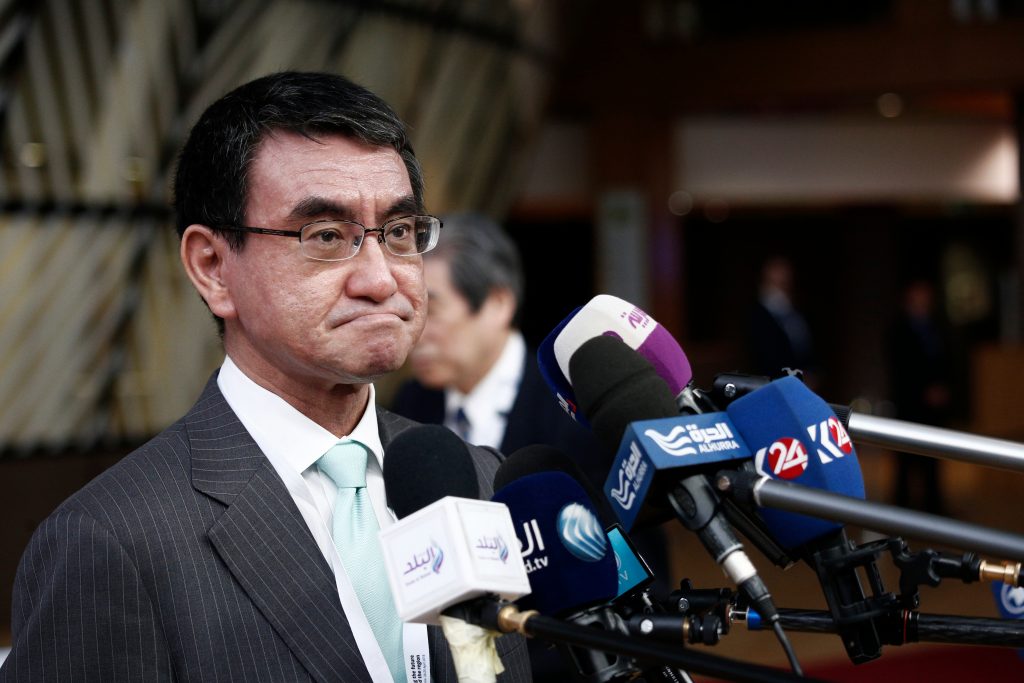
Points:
499	307
203	254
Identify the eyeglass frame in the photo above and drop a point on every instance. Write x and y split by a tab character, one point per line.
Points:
298	234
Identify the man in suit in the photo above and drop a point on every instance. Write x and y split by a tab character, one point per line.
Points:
778	335
920	377
472	369
218	550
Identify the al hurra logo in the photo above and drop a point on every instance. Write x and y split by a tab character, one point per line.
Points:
631	476
691	439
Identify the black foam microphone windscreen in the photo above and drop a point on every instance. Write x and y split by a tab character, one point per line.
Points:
616	386
424	464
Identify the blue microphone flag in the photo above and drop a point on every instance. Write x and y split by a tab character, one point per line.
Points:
673	443
795	436
568	559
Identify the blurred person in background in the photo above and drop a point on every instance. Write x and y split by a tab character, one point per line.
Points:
778	335
920	379
473	371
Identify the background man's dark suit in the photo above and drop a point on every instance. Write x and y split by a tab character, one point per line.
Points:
535	418
188	560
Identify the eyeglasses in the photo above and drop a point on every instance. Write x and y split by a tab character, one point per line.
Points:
341	240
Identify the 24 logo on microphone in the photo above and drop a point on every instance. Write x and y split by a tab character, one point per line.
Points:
787	457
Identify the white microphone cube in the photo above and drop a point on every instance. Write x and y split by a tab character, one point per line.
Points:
453	550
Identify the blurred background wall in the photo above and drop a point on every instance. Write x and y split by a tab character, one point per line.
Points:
656	149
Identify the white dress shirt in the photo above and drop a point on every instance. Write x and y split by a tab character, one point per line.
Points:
488	404
293	443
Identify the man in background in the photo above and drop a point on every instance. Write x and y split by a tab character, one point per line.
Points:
920	378
473	371
778	336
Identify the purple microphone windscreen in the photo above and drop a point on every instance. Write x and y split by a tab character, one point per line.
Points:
606	315
424	464
795	436
569	561
668	359
616	386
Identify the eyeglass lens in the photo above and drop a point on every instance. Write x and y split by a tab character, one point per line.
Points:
339	240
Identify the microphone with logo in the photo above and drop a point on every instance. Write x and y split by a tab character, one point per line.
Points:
448	547
896	435
795	436
633	577
619	391
571	570
570	564
606	315
806	465
633	574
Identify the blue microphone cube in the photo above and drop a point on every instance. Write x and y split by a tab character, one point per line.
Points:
670	444
568	559
795	436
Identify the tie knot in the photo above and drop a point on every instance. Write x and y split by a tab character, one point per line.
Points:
345	464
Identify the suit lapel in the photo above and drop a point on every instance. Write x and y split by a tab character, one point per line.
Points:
266	545
520	416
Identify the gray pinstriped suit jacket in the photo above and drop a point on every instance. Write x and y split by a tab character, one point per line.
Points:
189	561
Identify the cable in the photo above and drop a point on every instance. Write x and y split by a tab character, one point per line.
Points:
788	647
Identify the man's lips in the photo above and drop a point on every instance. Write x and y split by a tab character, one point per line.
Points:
370	317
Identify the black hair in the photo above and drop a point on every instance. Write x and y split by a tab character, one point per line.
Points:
481	257
211	181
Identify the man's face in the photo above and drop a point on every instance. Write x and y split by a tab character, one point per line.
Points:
308	323
457	346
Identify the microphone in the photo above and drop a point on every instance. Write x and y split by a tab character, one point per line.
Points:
570	562
796	437
424	464
806	463
897	435
616	387
634	575
610	316
448	548
565	551
606	315
520	479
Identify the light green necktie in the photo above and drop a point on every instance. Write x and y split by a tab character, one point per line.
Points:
355	537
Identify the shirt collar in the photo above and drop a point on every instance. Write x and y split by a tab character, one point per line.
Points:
282	432
496	392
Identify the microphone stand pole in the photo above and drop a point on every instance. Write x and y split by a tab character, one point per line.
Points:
766	492
906	626
506	618
936	442
897	435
